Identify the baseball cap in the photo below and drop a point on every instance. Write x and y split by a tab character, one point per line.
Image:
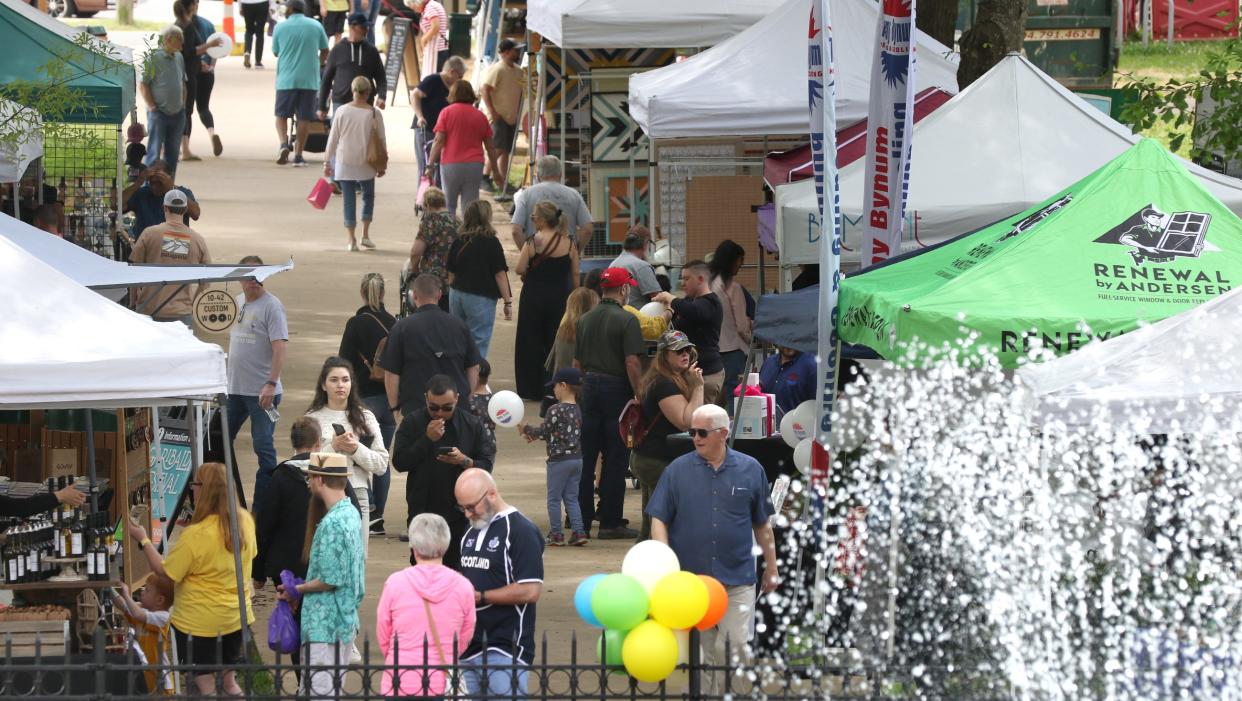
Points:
175	198
616	277
507	44
674	341
568	375
356	19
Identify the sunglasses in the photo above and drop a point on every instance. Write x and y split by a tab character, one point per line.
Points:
701	432
471	507
446	408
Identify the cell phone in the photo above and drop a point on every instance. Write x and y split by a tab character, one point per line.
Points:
340	430
445	450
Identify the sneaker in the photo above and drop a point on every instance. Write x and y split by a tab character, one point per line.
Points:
351	247
377	527
618	533
556	540
258	64
246	60
404	537
283	158
579	538
217	146
367	243
298	161
487	184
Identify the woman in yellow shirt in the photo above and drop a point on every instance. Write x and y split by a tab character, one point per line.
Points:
201	566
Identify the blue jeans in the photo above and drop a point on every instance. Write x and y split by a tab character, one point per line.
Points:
372	13
503	682
262	430
603	398
164	138
478	312
349	188
734	364
378	404
563	478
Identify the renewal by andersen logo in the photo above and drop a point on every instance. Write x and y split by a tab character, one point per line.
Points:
1156	237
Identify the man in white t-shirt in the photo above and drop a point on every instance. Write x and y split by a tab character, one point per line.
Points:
567	199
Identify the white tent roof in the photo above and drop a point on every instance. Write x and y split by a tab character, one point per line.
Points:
1013	138
14	160
66	346
98	273
635	24
1184	369
754	84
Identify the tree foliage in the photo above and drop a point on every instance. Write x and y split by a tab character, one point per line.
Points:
1172	102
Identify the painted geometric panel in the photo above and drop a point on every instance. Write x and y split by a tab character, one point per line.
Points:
625	211
614	136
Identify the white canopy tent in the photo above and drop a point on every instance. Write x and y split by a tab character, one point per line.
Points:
15	158
614	24
1013	138
65	346
98	273
1178	373
754	84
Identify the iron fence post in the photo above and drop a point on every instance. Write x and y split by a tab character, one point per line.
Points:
695	663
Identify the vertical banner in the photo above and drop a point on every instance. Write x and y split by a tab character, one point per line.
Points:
890	125
821	81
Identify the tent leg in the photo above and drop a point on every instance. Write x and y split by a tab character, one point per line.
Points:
233	490
90	462
750	365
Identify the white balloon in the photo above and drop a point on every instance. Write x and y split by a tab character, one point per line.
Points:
652	309
787	430
797	425
802	456
223	48
506	408
648	562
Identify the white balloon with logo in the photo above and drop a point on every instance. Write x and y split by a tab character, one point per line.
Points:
506	409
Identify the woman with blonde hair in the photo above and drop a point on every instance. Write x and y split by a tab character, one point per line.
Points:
203	570
361	342
354	125
670	391
548	266
480	275
581	301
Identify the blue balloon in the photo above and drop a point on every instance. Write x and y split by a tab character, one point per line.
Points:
582	599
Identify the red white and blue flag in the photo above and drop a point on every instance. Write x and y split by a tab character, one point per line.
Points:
890	124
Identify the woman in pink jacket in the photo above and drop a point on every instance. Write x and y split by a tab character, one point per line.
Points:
427	611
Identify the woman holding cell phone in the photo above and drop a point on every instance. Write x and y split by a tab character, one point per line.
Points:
349	428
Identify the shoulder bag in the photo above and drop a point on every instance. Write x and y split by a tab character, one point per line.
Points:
454	682
374	371
377	152
541	257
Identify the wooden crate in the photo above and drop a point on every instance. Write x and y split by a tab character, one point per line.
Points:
25	638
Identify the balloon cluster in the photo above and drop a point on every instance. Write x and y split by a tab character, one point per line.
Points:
647	609
798	431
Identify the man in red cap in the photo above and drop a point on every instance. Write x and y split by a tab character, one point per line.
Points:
609	345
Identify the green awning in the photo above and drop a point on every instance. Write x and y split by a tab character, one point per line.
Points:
1136	241
30	40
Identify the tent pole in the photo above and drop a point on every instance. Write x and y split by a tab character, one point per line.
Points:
90	461
232	495
564	126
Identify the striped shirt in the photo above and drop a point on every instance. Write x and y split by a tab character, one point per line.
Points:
434	10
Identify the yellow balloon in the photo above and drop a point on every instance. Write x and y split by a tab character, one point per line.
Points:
649	652
679	600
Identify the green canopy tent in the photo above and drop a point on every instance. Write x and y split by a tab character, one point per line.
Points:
31	40
1137	241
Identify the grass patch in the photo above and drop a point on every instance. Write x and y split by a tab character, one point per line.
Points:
112	25
1160	64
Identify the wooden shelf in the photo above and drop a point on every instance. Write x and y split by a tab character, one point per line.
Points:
88	584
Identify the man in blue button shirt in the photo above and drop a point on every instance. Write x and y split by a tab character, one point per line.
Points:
790	375
717	541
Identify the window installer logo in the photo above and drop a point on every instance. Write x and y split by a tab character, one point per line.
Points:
1156	237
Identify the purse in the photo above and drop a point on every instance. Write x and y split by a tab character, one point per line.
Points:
374	371
377	152
454	682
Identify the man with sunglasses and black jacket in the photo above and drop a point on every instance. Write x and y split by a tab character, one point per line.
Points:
434	445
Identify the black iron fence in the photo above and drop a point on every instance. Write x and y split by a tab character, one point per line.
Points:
106	675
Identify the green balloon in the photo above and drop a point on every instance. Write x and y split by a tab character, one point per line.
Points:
619	602
615	639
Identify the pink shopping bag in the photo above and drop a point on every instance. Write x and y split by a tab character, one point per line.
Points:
423	184
320	194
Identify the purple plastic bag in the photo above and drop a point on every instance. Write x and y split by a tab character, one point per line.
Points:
282	629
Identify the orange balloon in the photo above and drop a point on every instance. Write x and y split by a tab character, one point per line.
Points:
717	603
